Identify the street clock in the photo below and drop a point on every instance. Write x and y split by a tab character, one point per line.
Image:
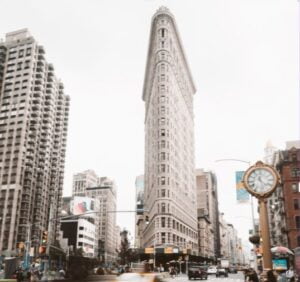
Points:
261	180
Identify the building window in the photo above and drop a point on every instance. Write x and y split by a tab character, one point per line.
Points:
163	222
163	192
162	121
21	53
295	187
28	52
295	172
163	181
162	156
163	237
163	209
296	204
297	219
81	228
298	241
162	32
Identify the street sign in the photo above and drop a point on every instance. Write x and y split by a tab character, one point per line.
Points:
169	250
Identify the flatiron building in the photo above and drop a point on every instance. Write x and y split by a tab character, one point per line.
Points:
170	183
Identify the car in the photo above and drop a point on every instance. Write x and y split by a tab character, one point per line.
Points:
138	277
197	272
221	272
232	269
212	270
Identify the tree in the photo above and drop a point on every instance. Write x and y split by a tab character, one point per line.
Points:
125	253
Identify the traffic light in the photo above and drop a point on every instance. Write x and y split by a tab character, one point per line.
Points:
45	237
147	219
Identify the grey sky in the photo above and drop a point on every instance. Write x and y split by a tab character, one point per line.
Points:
243	56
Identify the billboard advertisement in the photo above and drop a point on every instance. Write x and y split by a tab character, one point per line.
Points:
242	194
279	264
83	205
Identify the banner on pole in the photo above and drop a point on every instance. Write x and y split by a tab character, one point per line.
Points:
242	194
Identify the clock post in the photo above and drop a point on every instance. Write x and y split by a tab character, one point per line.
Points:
265	234
261	181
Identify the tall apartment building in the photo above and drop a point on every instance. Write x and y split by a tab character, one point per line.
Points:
33	130
207	214
170	185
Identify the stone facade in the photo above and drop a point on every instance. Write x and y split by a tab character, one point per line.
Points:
170	186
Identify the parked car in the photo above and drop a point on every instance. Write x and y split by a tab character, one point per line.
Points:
197	272
212	270
221	272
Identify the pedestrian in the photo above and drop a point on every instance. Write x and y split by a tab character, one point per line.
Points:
282	277
270	276
19	274
290	274
246	274
62	273
253	276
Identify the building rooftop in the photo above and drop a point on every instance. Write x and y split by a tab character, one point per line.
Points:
17	35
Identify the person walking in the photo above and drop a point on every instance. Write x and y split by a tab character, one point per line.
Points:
270	276
19	274
253	276
290	274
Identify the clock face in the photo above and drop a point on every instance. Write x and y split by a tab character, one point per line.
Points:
261	180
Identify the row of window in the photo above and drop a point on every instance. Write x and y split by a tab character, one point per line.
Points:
13	54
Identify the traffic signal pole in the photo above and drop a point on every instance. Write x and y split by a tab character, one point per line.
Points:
27	247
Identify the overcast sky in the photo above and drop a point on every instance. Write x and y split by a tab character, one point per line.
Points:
244	57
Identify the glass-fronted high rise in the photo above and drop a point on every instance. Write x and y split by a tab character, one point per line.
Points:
170	183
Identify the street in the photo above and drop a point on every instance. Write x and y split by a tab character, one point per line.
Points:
232	277
239	277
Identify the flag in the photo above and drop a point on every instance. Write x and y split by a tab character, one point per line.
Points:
242	194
